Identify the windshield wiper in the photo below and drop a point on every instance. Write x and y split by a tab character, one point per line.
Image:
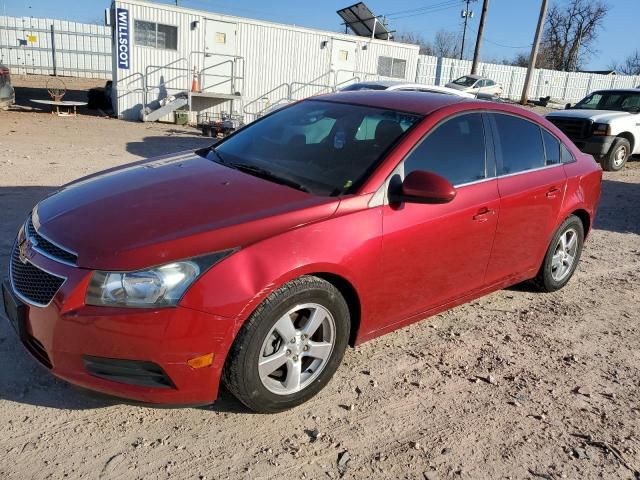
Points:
218	154
262	173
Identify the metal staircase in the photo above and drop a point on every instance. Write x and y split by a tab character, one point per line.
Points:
286	93
174	91
166	109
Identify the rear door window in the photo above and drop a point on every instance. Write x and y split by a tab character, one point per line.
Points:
518	144
454	150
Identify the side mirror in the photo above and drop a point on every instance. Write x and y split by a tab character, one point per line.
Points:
567	106
423	187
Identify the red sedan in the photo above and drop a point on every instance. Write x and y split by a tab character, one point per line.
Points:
325	224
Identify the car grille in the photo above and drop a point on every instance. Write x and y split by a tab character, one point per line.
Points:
45	246
573	127
35	285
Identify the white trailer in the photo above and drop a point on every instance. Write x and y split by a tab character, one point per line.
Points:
240	65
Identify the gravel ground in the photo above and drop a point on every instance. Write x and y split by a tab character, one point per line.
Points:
516	385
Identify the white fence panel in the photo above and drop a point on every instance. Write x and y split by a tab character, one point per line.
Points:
566	86
27	45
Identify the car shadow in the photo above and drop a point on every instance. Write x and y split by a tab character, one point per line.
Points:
175	142
619	209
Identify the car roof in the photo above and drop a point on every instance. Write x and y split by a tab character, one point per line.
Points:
395	83
406	101
382	83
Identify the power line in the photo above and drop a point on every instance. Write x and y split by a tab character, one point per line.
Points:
434	10
501	44
426	7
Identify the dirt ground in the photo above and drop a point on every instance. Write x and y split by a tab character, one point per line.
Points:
518	384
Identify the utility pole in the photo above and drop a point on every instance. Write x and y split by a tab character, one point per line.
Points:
534	53
466	14
476	53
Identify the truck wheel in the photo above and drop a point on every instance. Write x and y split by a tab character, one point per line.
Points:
618	155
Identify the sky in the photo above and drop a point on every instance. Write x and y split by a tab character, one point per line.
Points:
509	27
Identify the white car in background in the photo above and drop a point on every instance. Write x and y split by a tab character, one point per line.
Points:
386	85
404	87
476	85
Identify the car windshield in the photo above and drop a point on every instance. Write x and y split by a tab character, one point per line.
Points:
321	147
466	81
619	101
363	86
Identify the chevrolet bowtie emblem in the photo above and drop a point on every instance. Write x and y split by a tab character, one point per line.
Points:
25	249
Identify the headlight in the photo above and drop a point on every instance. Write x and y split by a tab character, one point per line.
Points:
161	286
601	129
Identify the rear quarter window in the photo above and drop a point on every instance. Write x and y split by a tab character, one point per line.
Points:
551	148
565	155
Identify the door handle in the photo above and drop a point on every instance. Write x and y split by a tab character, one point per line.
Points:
553	192
483	214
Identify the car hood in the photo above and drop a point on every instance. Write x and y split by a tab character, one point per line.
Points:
595	115
170	208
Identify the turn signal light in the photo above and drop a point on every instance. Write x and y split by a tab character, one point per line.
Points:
201	361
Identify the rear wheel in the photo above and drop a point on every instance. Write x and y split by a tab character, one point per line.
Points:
562	257
618	155
290	347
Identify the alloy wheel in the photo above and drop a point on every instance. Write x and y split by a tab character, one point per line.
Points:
564	255
297	349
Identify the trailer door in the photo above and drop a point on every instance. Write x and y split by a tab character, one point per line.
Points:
343	60
218	62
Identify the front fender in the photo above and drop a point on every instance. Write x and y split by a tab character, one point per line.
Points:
347	245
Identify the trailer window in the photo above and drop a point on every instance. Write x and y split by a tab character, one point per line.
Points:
392	67
156	35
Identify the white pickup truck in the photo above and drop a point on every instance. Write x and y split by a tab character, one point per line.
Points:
605	124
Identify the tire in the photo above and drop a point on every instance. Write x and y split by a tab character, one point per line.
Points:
554	275
618	155
264	336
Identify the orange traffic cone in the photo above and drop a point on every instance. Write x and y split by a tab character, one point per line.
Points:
194	83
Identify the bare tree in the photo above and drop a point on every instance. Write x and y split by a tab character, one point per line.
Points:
520	60
447	44
416	39
630	65
570	33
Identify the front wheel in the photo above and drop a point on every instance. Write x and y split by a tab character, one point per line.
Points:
618	155
562	257
290	347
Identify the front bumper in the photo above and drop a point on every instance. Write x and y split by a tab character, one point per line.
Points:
65	333
596	146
